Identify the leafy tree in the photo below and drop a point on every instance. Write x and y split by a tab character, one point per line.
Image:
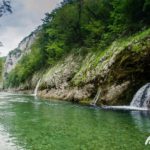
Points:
80	25
129	16
5	7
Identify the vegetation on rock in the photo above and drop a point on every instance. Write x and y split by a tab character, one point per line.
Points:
83	45
81	26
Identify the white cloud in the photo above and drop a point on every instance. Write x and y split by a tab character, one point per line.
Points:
27	15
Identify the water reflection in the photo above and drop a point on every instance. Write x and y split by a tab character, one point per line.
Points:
6	142
141	120
35	124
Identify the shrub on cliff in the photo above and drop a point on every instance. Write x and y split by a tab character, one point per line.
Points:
81	23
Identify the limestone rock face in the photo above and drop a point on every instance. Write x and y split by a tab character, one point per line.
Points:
116	73
60	75
111	94
119	71
15	55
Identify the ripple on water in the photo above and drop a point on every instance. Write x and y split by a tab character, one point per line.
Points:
33	124
6	143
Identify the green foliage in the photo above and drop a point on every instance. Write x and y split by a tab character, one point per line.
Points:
80	25
129	16
2	59
5	6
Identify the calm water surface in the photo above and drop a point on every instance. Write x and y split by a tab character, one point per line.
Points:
28	123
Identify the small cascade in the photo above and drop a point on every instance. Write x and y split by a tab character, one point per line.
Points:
36	88
142	97
96	98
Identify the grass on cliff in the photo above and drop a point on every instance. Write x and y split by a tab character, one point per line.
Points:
81	26
97	60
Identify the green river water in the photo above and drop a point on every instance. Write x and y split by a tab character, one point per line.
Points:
28	123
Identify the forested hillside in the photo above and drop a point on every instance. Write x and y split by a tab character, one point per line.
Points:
80	80
81	26
85	30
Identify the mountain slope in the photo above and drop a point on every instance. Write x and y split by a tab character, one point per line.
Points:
84	49
118	72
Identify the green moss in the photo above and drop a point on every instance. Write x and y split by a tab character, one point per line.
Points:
86	101
95	62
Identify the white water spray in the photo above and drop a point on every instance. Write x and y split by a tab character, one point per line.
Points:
142	97
140	101
96	98
36	88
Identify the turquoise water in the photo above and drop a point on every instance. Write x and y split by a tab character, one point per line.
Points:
28	123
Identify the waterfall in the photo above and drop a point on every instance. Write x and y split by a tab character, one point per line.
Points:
142	97
36	88
140	101
96	98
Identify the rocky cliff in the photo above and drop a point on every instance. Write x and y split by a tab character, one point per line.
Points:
116	72
15	55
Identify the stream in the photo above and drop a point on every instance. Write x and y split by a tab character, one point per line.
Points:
30	123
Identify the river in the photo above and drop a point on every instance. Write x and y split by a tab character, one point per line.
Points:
29	123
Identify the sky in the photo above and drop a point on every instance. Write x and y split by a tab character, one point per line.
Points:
26	17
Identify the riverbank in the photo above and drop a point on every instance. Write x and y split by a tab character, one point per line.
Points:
117	73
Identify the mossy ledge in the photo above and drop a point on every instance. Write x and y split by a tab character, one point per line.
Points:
119	71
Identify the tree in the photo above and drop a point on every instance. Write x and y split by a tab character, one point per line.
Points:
4	8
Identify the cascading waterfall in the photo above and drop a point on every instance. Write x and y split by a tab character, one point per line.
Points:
96	98
142	97
140	101
36	88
